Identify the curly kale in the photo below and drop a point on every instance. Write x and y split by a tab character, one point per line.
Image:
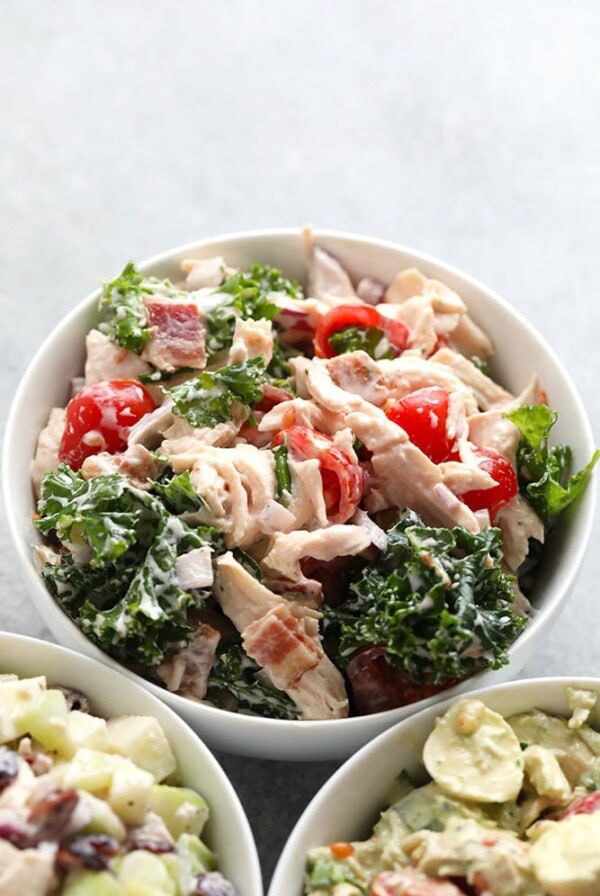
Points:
208	398
118	579
237	674
545	472
436	598
250	294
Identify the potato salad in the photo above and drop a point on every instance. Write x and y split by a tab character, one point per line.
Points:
90	807
302	502
511	808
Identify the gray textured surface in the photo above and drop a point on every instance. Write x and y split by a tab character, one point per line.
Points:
467	129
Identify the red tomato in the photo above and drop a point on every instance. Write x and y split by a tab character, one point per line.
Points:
492	499
99	419
378	686
583	805
423	415
363	316
343	480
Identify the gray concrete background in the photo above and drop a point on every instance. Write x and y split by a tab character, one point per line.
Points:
469	129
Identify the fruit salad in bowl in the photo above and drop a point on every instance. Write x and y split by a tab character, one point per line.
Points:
95	805
306	492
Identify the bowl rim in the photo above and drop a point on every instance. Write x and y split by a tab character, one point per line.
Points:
39	593
343	776
30	648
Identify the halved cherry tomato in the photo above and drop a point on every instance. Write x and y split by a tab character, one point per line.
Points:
272	395
362	316
492	499
423	415
99	419
343	480
583	805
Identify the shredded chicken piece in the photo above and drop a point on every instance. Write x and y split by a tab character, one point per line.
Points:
358	373
150	430
326	277
203	272
322	544
26	871
187	671
300	412
107	361
183	445
518	523
251	339
136	463
46	453
470	340
486	391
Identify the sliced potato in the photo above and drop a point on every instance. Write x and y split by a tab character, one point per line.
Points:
566	856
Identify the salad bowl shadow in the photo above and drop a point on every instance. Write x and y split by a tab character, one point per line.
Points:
111	694
520	351
348	805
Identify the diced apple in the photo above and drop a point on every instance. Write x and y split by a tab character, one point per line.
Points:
14	698
145	875
103	819
90	770
196	854
92	883
86	730
182	810
141	739
130	791
45	718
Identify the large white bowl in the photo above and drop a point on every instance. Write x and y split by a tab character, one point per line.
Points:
519	352
348	805
111	694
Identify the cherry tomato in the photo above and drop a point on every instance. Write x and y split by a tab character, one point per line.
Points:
343	480
583	805
492	499
423	415
363	316
99	419
378	686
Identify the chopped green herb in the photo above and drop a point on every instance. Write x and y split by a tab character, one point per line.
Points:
208	398
327	873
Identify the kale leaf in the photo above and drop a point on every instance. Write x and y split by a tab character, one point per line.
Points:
118	578
178	493
208	398
545	472
436	598
236	673
371	340
282	475
250	299
122	309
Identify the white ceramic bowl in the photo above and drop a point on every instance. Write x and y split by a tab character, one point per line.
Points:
111	694
348	805
519	352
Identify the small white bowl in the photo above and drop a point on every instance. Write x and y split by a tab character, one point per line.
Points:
349	804
111	694
520	351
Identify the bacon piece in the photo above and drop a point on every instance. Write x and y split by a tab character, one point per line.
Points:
177	334
280	645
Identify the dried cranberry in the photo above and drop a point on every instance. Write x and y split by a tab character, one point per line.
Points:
75	699
91	852
9	767
213	884
51	815
150	843
15	833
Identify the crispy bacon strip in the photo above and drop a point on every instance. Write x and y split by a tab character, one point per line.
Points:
177	334
280	645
